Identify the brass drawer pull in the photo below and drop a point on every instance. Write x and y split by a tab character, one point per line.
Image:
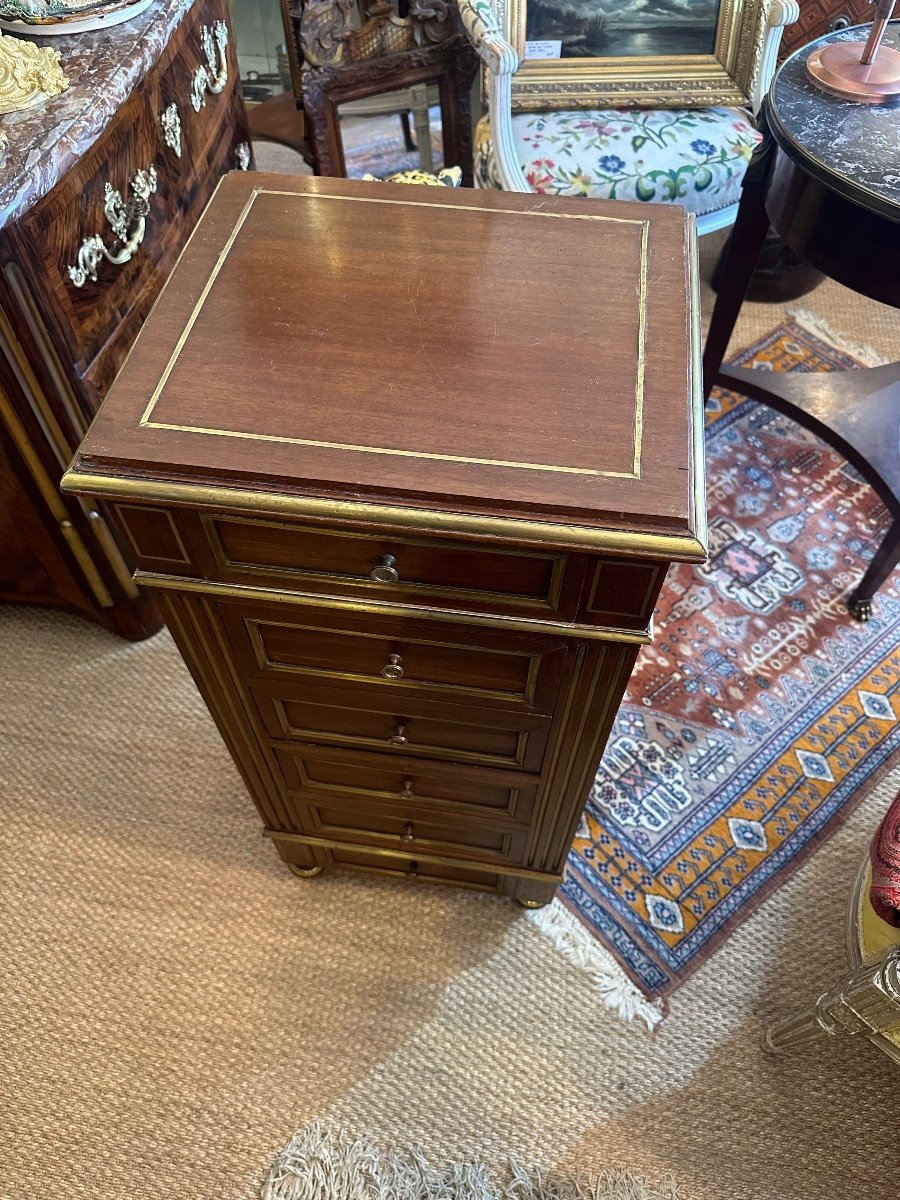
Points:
398	737
213	75
412	872
385	571
392	668
409	834
407	793
128	221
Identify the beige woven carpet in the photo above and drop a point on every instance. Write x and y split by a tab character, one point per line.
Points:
173	1004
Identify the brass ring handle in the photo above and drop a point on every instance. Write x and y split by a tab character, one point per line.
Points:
385	571
412	872
399	738
407	793
128	221
409	834
392	668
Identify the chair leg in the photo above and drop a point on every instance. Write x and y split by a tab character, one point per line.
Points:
866	1001
419	95
408	142
886	558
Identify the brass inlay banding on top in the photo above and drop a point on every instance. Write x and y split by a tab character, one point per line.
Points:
633	473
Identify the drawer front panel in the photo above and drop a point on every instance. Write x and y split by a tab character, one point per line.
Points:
406	831
433	573
398	656
518	743
407	786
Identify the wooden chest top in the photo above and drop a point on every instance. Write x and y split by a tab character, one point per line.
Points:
506	363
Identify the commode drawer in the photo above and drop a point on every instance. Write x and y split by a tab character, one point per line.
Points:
453	575
195	86
319	715
407	785
396	656
88	312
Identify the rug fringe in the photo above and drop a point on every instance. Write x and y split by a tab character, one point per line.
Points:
324	1164
580	947
820	328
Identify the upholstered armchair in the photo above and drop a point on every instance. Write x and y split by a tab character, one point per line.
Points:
694	157
866	1001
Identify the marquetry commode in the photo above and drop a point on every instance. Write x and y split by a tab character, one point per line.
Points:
99	193
406	467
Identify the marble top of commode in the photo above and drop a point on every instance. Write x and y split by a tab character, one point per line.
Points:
103	68
853	148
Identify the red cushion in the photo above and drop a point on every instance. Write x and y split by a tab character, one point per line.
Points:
885	892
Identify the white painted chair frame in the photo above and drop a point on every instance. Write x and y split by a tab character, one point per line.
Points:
500	62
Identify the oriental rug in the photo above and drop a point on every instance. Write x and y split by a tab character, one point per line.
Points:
374	146
321	1162
762	712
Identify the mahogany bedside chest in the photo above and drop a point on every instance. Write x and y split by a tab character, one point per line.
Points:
406	467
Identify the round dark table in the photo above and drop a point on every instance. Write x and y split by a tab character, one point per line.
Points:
826	177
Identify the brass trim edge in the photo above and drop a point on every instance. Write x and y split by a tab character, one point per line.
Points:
52	499
237	591
39	332
110	548
466	864
668	546
698	401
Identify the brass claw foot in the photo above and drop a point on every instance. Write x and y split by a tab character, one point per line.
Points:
860	609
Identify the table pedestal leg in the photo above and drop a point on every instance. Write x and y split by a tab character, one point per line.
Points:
743	251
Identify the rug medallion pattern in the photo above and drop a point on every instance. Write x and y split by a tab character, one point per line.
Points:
761	712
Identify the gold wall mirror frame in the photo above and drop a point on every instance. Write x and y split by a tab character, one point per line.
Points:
657	80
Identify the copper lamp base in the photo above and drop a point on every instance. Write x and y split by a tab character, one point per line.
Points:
837	69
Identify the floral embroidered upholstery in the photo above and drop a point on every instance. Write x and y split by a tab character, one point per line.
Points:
694	157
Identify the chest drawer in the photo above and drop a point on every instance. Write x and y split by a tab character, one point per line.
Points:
394	865
409	832
433	573
407	786
320	716
397	656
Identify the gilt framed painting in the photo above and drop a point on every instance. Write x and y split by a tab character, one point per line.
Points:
650	53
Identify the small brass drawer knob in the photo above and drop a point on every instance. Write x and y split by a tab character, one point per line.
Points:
409	834
407	793
398	737
392	668
385	572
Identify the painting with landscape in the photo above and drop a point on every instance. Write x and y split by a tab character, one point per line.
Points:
624	28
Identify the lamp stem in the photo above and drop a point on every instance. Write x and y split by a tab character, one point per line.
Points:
883	11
